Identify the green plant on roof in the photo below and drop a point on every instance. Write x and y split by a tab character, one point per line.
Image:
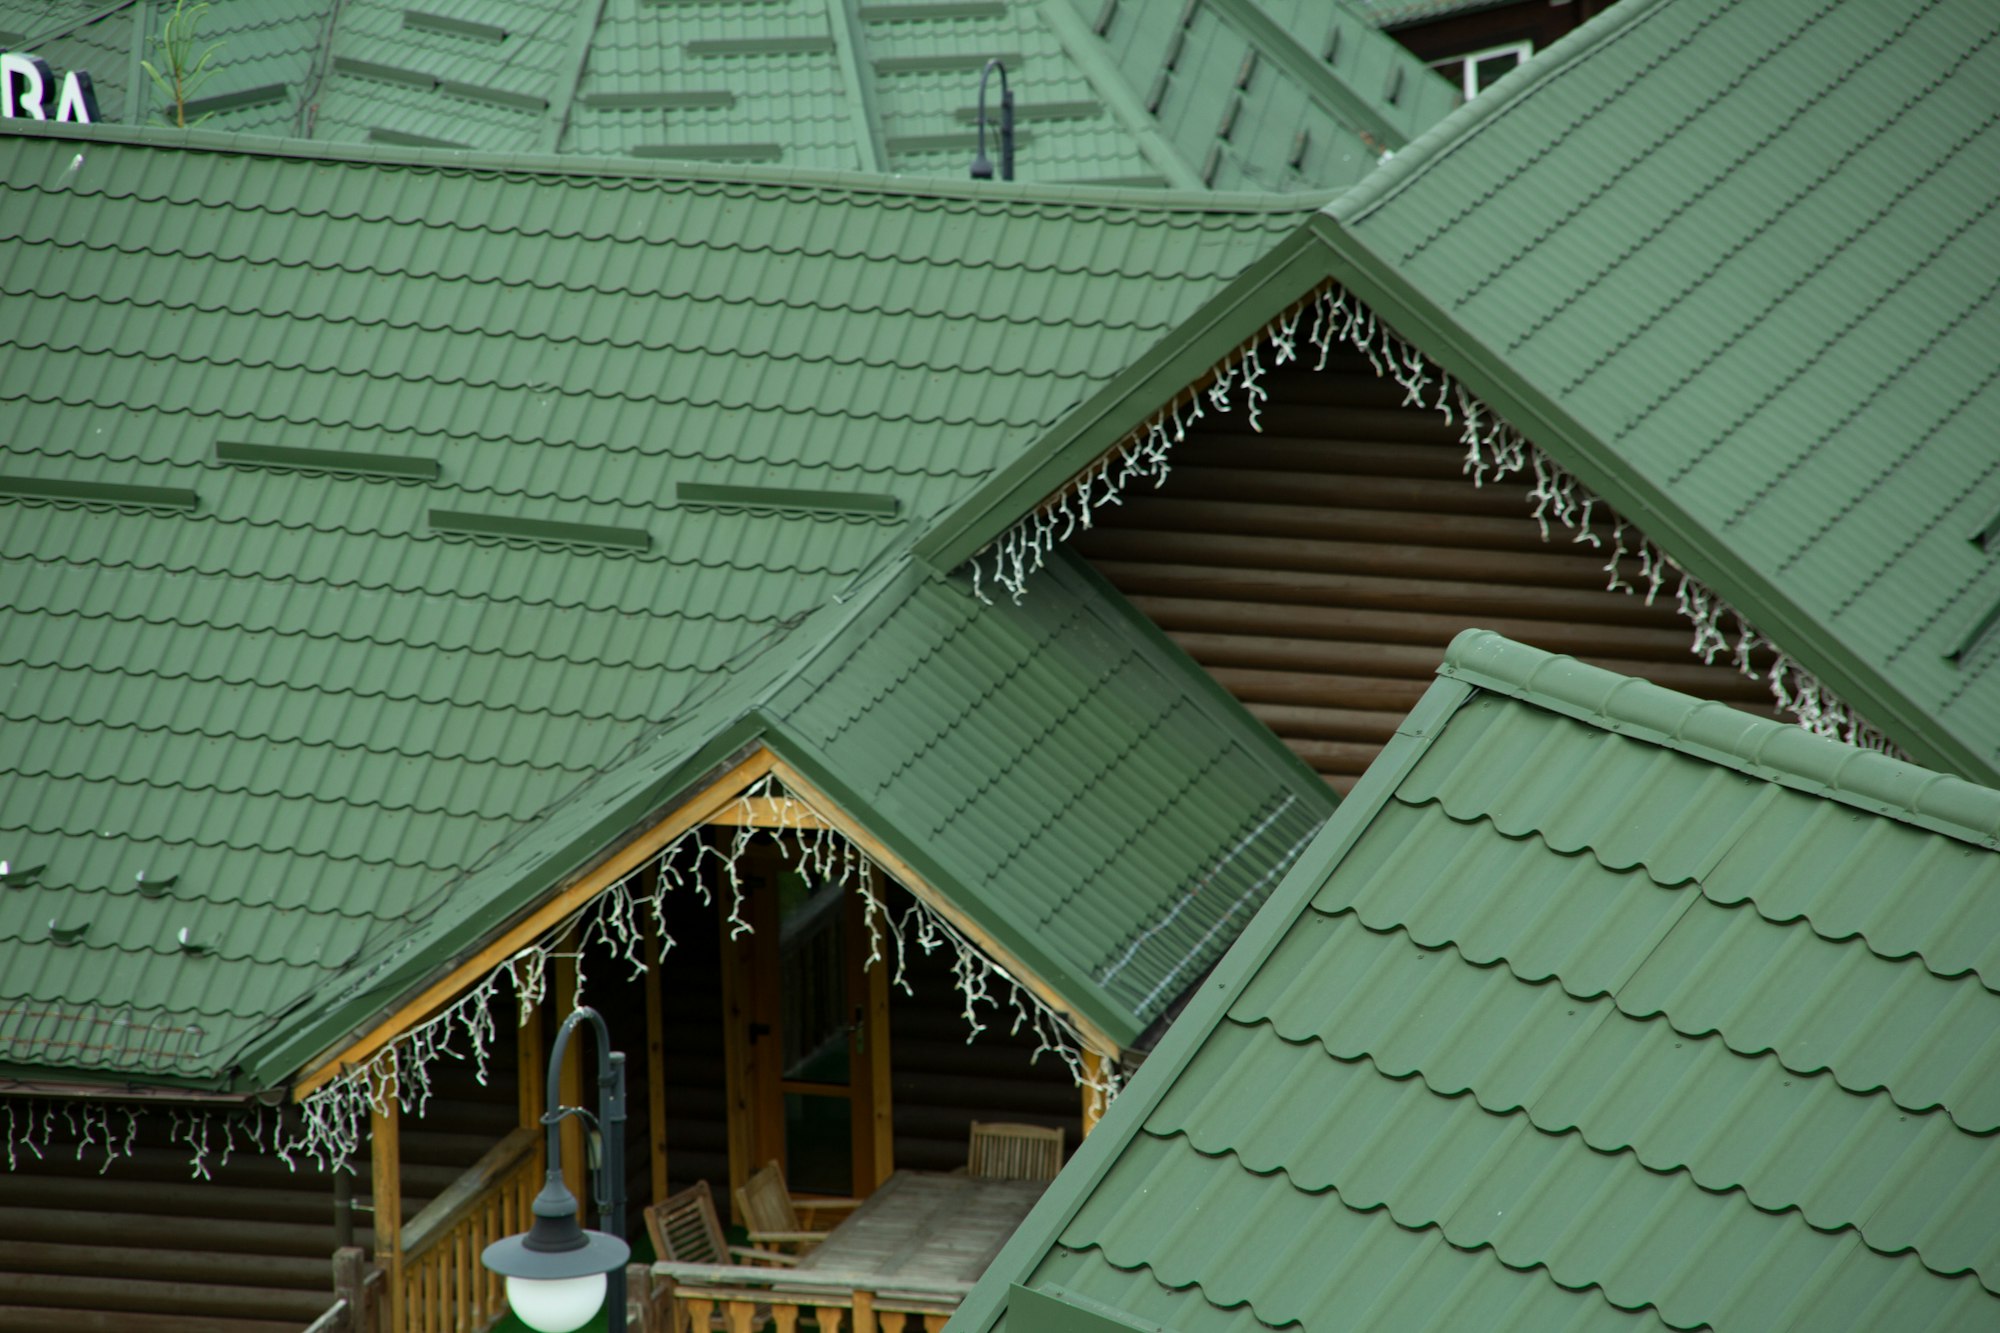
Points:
184	71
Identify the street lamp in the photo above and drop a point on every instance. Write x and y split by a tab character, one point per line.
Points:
558	1274
982	166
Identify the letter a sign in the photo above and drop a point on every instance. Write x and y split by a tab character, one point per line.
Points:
28	86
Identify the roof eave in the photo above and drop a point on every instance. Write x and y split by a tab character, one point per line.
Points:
1228	320
287	1050
1488	376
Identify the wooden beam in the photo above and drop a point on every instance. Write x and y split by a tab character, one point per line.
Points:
875	1068
531	1063
1094	1038
569	1079
1093	1098
738	1078
776	812
656	1064
699	809
385	1154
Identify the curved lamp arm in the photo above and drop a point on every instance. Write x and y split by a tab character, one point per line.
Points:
556	1247
982	167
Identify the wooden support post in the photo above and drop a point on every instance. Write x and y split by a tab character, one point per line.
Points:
641	1302
385	1151
569	1083
656	1063
531	1053
879	1099
350	1284
1093	1096
864	1312
739	1079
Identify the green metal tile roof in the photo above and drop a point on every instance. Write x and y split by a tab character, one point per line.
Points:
258	77
1594	1006
1120	824
1077	789
340	682
1723	263
1265	95
1760	293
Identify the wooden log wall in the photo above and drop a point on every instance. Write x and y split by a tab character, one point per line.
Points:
142	1248
942	1083
1318	569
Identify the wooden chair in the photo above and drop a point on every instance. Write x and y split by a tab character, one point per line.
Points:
686	1230
773	1218
1014	1152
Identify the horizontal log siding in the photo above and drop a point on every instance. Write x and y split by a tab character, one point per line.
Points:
1318	569
142	1247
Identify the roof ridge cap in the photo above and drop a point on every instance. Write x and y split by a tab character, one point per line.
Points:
1403	168
1760	747
617	170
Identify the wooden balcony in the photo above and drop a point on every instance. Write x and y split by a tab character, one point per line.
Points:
837	1302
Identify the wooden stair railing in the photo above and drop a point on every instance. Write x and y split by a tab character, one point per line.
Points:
445	1287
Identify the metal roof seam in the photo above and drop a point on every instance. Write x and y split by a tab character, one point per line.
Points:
1442	1228
1697	1173
1736	1045
1519	829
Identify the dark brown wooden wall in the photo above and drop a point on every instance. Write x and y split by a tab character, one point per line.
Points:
1318	569
144	1248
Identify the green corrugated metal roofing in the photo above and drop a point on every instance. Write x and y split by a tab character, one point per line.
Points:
1726	264
1594	1006
1748	252
1267	95
323	696
1120	825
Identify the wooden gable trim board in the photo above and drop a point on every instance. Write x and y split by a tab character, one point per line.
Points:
713	804
559	906
1094	1037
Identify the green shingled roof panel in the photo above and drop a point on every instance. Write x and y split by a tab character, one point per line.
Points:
1759	284
1569	1020
818	86
1122	822
316	708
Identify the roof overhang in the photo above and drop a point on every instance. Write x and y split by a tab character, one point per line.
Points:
720	795
1325	251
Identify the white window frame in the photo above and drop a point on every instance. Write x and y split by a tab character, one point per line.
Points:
1469	63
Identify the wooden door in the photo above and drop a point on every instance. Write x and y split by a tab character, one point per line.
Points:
807	1034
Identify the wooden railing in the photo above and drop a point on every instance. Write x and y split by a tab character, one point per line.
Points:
445	1289
838	1302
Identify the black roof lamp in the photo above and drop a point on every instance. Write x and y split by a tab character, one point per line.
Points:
558	1273
982	166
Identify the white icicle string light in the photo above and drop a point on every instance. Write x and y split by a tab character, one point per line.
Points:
329	1130
334	1115
1493	450
1014	556
35	1126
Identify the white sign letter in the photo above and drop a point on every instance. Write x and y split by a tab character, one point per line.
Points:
24	86
79	99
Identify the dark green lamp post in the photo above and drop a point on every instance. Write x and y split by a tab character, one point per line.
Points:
558	1273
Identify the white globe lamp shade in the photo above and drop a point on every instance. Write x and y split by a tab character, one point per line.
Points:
556	1305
